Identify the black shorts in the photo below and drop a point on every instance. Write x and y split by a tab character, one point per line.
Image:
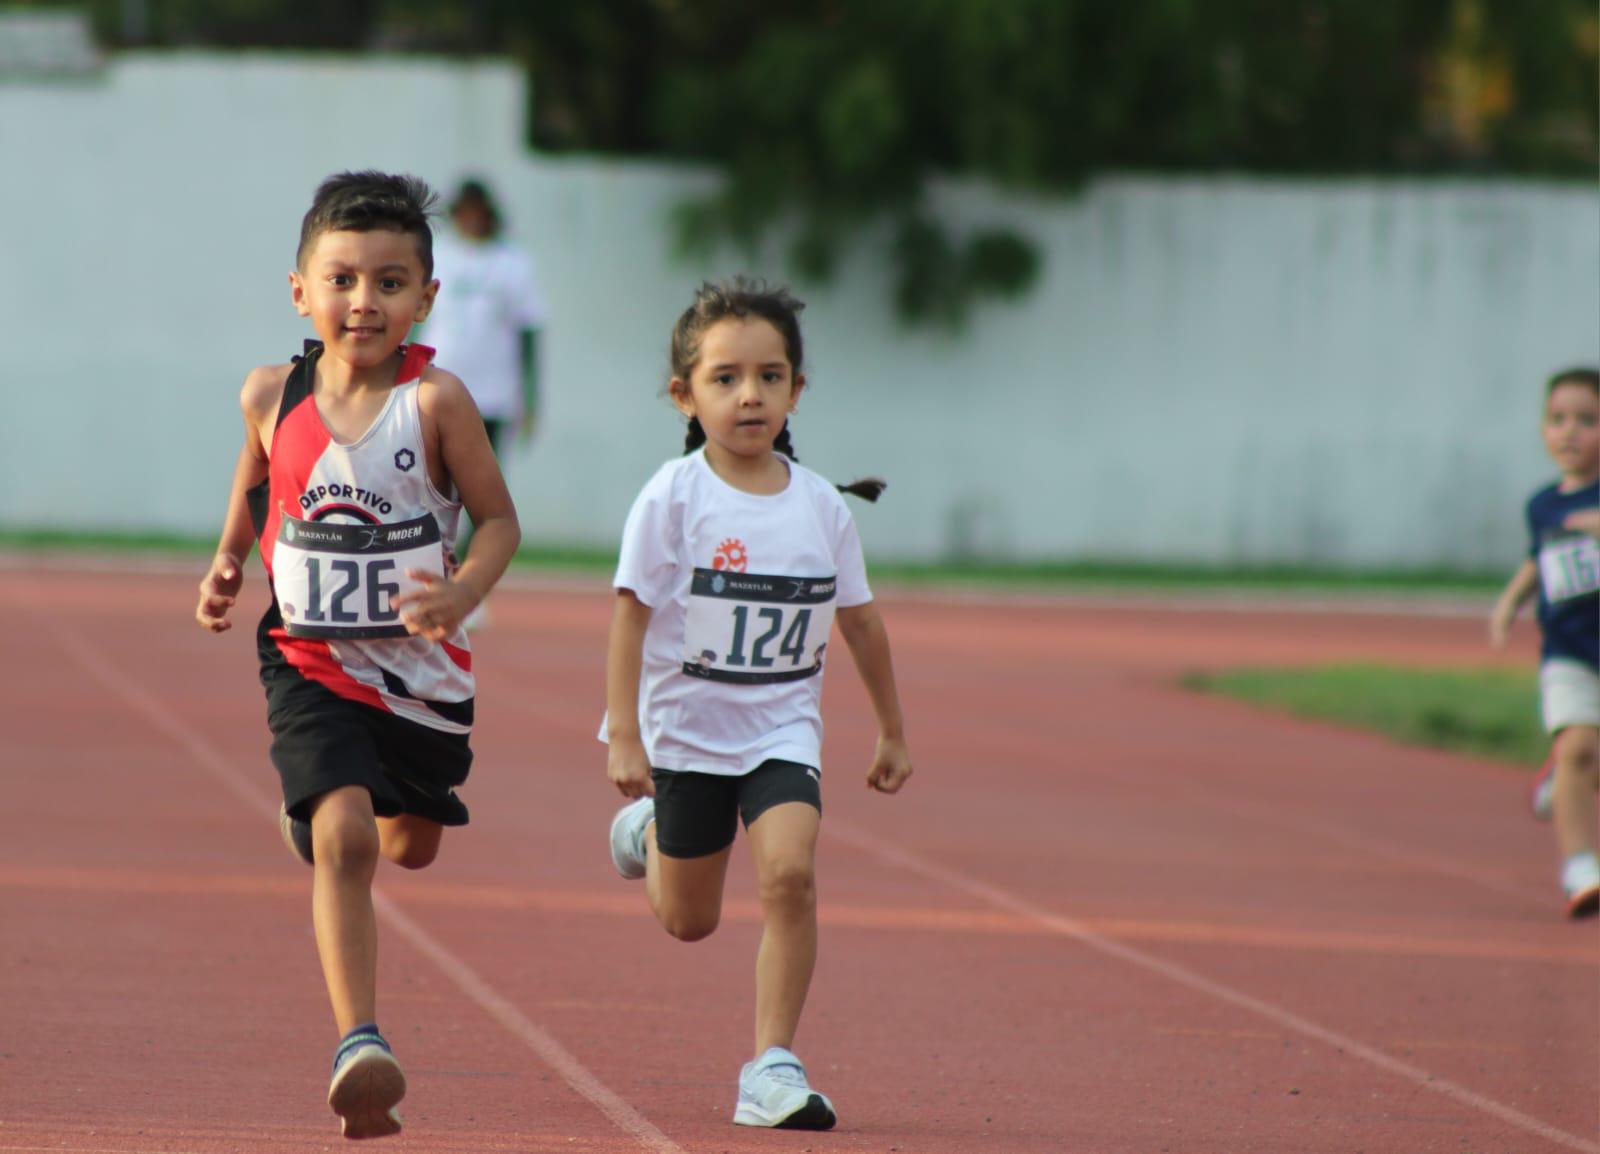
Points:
699	813
322	742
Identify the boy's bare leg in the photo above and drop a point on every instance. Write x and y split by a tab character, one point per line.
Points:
344	834
408	841
1577	776
783	841
685	893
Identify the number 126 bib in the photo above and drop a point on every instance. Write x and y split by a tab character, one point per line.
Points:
755	629
337	580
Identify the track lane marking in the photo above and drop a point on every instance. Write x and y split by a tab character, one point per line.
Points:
1183	976
466	979
107	880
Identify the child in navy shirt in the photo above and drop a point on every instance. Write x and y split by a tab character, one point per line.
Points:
1563	568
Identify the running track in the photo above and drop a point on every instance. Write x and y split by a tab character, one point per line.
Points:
1106	915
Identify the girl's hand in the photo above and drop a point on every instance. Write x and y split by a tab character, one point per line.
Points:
891	765
629	768
1587	521
1500	625
218	590
435	610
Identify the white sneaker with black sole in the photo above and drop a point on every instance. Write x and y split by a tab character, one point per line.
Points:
773	1091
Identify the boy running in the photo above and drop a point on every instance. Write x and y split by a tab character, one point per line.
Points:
358	459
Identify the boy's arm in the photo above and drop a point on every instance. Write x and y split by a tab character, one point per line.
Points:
469	465
1524	584
626	763
219	588
864	632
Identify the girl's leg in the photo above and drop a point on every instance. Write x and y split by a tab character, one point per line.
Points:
1577	776
685	892
783	841
410	841
344	834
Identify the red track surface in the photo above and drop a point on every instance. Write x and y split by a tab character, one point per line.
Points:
1106	915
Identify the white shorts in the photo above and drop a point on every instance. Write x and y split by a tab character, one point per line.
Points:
1569	693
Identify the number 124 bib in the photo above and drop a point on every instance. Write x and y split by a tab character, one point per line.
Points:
756	629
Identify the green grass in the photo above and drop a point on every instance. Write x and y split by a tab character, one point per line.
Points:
1487	712
1045	575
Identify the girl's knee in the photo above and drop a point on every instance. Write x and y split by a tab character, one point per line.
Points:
1578	751
789	883
690	925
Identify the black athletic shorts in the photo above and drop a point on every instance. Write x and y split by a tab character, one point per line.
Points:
322	742
699	813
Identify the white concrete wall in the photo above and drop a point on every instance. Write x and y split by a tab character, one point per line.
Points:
1222	370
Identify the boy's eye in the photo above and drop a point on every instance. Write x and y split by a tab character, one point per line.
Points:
338	280
390	284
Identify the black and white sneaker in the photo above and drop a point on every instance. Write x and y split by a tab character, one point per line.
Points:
773	1091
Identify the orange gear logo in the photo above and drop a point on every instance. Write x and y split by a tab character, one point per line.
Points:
731	556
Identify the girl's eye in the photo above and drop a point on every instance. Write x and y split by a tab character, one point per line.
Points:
723	378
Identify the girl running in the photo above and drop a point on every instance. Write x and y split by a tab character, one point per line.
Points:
735	563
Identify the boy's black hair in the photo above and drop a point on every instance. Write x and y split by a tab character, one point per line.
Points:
369	200
1577	375
743	297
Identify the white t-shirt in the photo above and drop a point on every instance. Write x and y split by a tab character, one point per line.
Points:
487	295
742	590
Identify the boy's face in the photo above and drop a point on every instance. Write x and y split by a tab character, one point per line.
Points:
1572	430
363	291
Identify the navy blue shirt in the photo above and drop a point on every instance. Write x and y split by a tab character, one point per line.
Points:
1569	575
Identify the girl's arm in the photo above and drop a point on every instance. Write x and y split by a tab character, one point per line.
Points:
626	763
864	633
1524	584
219	588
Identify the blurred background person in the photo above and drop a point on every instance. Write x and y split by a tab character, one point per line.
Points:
486	322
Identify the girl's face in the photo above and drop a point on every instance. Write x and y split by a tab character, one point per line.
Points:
1572	430
742	388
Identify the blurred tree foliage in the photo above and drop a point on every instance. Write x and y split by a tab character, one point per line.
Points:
830	116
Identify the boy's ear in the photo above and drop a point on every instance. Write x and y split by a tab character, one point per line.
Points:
297	293
429	295
678	390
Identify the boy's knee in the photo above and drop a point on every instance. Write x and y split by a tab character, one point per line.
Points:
1578	751
344	840
412	853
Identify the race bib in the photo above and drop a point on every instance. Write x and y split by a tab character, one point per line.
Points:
754	629
338	581
1569	567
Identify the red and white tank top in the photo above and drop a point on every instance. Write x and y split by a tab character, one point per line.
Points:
380	479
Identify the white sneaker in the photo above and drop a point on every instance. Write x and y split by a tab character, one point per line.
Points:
773	1091
1542	793
627	836
1580	879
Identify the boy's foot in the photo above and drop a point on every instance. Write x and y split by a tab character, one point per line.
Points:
296	834
627	836
1580	879
773	1091
1541	794
367	1085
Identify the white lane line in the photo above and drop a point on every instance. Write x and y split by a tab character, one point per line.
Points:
1183	976
209	758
